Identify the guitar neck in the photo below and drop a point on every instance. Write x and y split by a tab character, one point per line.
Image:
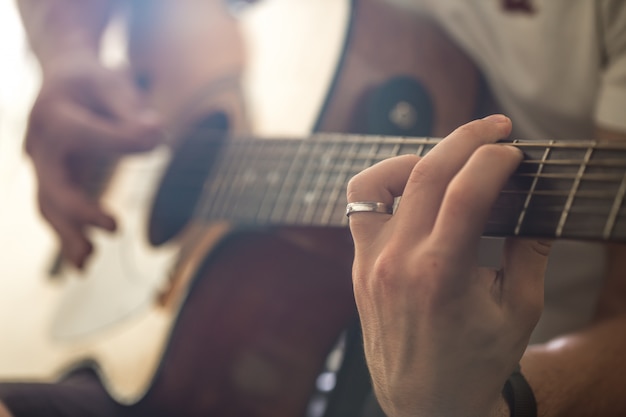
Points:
562	189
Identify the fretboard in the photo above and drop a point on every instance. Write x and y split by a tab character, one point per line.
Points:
563	189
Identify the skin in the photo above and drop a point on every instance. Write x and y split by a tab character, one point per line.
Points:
87	109
442	335
84	113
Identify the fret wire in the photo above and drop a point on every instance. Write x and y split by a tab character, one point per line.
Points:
322	179
371	139
570	198
271	176
420	150
615	208
333	204
373	152
320	183
215	183
259	183
223	178
302	192
339	187
324	176
277	177
235	207
529	194
337	199
351	172
234	175
399	148
599	177
396	149
286	190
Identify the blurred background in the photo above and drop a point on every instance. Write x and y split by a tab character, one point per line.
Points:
25	242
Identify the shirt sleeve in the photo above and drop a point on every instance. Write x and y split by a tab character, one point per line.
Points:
611	105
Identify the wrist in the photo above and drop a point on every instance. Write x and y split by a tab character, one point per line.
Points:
519	396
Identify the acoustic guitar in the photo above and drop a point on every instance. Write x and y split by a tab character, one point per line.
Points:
259	290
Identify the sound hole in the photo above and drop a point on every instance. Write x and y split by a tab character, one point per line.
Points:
401	106
182	183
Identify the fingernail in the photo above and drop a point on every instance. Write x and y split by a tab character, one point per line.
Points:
78	255
105	222
109	225
517	151
496	118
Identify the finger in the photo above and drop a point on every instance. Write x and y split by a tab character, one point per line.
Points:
381	182
67	209
469	197
81	130
524	267
429	179
125	103
75	245
117	94
57	191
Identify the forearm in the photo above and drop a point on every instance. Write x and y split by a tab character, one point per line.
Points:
58	28
581	374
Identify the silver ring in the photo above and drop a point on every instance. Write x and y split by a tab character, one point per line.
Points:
368	207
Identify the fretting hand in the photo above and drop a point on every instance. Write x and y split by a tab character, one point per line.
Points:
442	334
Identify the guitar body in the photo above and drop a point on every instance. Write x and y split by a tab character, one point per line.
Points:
254	331
246	318
396	58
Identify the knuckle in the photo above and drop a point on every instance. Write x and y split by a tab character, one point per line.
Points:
398	273
387	272
355	186
460	195
422	172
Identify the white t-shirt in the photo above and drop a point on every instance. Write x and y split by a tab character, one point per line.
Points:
558	69
555	71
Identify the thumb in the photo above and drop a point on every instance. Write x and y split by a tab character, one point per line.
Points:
125	108
117	94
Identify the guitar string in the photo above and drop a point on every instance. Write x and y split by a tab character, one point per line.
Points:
304	178
320	183
276	181
368	160
530	194
357	170
604	163
615	209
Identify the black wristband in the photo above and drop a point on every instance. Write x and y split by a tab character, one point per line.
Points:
519	396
